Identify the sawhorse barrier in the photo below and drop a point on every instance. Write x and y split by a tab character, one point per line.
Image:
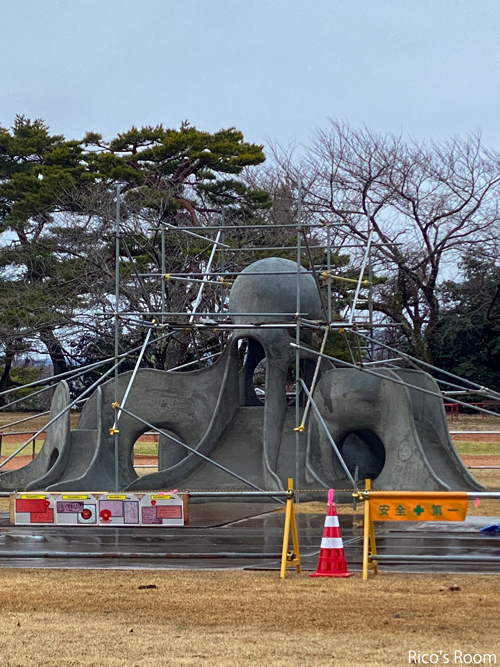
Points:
414	506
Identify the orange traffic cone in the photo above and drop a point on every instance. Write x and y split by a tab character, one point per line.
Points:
331	561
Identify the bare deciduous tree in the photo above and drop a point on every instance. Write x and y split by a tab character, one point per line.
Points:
427	204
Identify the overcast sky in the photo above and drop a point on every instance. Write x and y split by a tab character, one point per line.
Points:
274	69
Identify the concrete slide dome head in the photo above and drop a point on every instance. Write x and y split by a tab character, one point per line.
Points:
270	286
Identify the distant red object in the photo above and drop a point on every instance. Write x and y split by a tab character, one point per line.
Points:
454	410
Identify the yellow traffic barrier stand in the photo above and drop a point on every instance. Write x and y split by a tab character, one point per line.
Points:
405	506
369	544
290	558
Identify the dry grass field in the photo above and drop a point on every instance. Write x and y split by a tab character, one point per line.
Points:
34	424
474	422
68	618
96	618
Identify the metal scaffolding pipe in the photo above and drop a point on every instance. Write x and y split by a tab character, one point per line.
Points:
430	558
494	394
275	249
197	301
192	450
329	436
225	273
205	314
271	226
118	411
76	372
360	280
238	494
315	379
68	407
191	233
149	555
396	381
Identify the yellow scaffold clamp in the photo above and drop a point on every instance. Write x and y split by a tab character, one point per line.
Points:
113	431
167	276
300	428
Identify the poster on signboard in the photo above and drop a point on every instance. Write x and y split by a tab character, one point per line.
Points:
76	509
119	509
34	508
162	509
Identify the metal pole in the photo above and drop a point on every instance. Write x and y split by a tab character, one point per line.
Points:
137	555
315	378
382	361
192	363
222	269
132	378
354	496
370	281
117	326
163	272
198	236
360	279
293	225
329	268
205	278
297	340
238	494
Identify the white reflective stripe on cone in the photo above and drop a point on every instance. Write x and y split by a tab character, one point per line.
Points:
332	522
332	543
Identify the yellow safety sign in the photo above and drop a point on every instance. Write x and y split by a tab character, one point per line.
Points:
418	506
405	506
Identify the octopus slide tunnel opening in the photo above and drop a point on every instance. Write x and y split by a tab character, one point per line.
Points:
363	449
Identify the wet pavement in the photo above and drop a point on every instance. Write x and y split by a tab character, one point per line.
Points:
243	536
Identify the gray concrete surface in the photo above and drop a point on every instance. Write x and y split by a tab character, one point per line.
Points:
245	528
54	449
398	437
